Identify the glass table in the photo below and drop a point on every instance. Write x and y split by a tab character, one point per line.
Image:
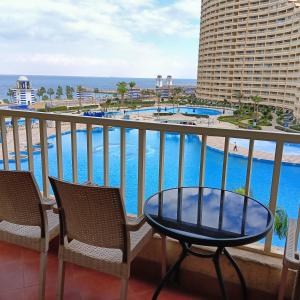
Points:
208	217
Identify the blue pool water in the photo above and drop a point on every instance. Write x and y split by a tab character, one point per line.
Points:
189	110
268	146
289	190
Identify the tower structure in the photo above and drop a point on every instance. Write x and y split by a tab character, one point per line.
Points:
24	94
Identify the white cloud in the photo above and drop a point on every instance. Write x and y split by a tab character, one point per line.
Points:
114	37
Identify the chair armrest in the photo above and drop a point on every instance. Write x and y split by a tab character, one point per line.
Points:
47	203
135	223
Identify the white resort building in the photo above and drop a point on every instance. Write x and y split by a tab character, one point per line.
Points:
24	94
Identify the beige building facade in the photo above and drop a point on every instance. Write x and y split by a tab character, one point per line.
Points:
251	47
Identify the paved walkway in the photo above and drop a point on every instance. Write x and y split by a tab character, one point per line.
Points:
214	142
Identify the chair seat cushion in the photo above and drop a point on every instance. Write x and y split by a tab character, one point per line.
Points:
28	236
106	259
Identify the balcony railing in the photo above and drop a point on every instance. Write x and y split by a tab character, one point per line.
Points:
279	138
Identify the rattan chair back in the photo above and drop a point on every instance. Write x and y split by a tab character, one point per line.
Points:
90	214
20	199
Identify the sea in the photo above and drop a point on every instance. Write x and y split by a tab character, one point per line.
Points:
106	83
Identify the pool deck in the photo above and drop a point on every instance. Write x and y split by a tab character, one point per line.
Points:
213	142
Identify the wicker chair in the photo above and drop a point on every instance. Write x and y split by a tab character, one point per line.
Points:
291	259
95	232
26	219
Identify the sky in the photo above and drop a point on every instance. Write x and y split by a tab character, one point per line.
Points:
117	38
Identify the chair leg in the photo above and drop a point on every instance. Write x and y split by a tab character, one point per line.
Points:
124	288
61	279
283	280
42	283
163	255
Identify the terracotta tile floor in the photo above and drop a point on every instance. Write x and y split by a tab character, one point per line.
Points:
19	269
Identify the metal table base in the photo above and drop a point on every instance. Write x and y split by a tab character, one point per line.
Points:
186	250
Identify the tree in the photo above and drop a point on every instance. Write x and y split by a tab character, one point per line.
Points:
96	91
40	93
59	92
280	219
79	92
122	89
239	96
50	92
131	84
69	92
10	94
176	92
256	100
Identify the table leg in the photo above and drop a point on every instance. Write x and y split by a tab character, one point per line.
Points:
216	260
239	273
173	269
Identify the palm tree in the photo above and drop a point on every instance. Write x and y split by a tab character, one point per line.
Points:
122	89
40	93
256	100
280	220
131	84
10	94
176	92
59	92
69	92
239	96
79	92
96	91
50	92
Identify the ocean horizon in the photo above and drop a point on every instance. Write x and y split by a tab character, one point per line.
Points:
51	81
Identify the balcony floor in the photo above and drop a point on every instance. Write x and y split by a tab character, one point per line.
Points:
19	269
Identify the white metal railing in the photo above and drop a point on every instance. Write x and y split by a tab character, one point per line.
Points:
142	127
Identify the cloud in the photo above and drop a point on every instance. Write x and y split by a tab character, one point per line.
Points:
115	37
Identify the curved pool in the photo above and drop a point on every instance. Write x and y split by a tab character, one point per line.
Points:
268	146
183	110
168	109
289	189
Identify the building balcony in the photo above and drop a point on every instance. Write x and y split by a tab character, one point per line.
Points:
36	142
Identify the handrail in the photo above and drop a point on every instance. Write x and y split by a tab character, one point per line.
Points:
190	129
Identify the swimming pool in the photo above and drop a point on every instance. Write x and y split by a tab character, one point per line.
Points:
289	189
164	109
183	110
268	146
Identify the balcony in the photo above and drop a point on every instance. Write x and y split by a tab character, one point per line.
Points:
260	262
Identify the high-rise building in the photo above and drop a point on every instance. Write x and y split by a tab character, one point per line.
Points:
250	47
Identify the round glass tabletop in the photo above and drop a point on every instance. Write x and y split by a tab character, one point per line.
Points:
208	216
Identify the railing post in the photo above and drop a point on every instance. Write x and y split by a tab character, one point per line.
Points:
74	152
202	160
181	160
4	144
225	163
44	156
123	161
249	167
274	189
161	160
28	123
89	152
59	150
105	155
141	170
16	142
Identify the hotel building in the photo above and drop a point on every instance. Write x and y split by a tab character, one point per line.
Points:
250	47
